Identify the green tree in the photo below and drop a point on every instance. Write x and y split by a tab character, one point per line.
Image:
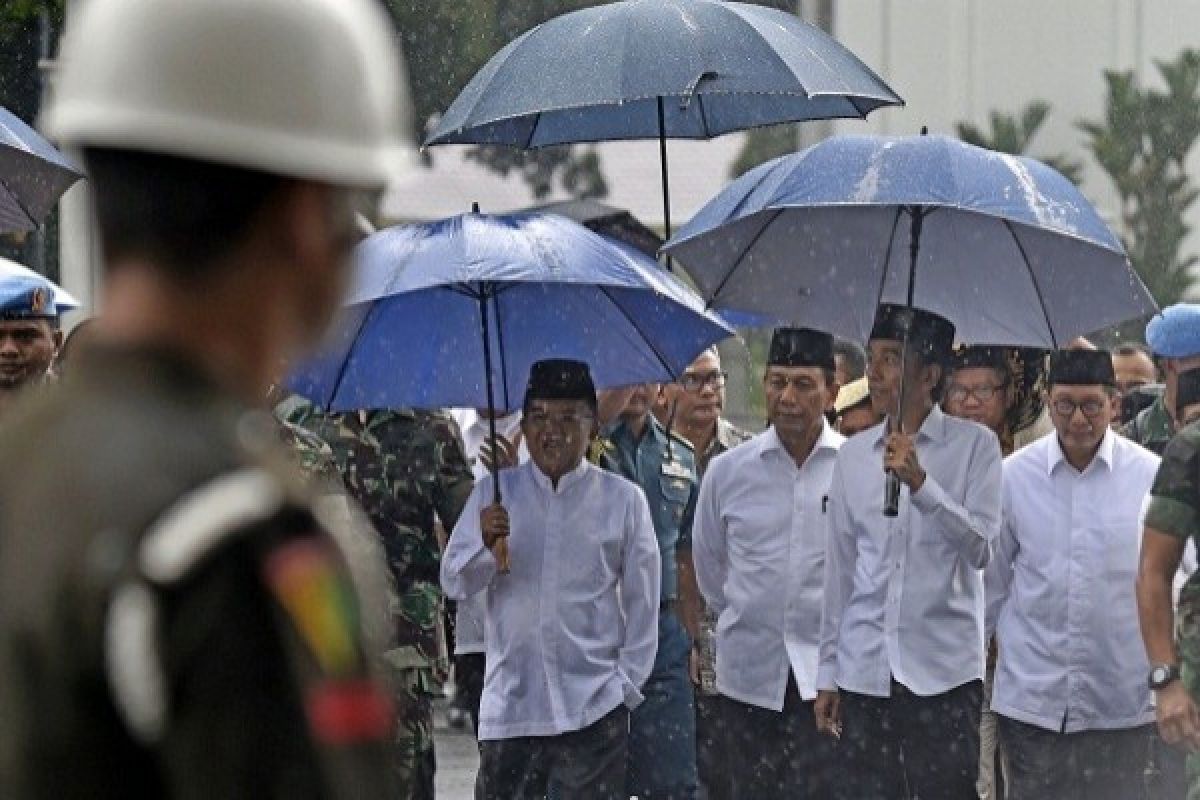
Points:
1014	134
446	43
1142	143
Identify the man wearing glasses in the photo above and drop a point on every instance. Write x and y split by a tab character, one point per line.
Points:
1075	717
697	401
760	557
662	736
571	626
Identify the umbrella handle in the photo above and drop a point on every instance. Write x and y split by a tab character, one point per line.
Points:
891	494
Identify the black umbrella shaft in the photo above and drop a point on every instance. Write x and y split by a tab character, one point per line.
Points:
891	498
662	163
487	368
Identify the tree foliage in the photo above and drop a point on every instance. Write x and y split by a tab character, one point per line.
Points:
1014	134
1142	143
446	43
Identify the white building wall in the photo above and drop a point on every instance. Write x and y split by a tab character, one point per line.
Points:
958	60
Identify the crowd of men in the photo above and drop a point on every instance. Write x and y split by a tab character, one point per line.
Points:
209	588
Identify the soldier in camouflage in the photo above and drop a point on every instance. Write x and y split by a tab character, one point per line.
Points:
1172	519
405	467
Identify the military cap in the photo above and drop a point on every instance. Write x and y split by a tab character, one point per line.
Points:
26	297
560	379
854	393
927	333
800	347
1187	390
1175	331
1081	368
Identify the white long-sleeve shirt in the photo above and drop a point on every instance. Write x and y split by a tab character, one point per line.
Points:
572	629
904	595
1060	588
758	542
468	618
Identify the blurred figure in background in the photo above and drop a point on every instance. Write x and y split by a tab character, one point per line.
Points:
853	410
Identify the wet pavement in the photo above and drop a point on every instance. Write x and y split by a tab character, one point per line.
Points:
457	759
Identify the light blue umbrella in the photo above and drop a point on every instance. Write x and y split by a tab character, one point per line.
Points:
1003	246
33	175
540	285
659	69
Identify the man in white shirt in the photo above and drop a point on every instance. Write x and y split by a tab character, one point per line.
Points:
1075	716
759	550
469	612
571	628
901	662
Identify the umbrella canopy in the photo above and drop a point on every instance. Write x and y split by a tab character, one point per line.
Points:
1003	246
33	175
63	300
639	69
540	285
646	69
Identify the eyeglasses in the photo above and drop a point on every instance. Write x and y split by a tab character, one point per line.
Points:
1066	408
957	393
566	419
695	381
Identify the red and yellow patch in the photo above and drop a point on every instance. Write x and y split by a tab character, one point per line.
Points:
348	712
310	583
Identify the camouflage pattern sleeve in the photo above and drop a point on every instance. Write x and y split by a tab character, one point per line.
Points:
1175	497
455	479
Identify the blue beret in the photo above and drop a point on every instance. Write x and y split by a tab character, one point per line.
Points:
1175	332
26	297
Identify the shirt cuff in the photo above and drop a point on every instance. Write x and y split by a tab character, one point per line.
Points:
827	678
930	497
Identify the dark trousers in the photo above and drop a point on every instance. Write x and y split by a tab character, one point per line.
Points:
469	669
587	764
1097	765
662	730
906	746
779	755
712	753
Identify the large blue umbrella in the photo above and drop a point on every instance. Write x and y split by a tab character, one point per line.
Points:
1003	246
659	69
33	175
540	285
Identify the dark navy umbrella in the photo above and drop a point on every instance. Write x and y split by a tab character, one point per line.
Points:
659	69
33	175
1003	246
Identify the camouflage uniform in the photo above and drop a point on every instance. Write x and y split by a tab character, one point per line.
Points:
1175	510
1152	428
403	467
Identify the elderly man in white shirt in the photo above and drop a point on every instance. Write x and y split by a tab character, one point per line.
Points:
1075	714
571	627
902	654
469	612
759	550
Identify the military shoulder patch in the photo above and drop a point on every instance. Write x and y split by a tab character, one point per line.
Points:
311	585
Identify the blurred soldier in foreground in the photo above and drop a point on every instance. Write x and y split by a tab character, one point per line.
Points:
174	619
29	335
572	626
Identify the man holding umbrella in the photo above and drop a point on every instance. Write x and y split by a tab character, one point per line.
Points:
571	627
902	650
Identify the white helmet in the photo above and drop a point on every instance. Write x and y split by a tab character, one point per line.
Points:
302	88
